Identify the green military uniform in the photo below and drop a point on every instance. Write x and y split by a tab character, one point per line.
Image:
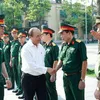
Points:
21	35
52	51
51	55
14	58
1	78
72	55
19	68
2	24
6	50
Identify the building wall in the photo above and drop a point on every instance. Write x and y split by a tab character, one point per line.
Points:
53	18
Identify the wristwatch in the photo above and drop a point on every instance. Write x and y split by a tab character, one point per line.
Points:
82	80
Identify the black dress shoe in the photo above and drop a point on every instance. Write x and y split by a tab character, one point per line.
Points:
21	97
19	93
14	91
10	88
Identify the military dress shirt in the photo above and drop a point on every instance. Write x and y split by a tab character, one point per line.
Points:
6	50
14	48
72	55
52	52
33	59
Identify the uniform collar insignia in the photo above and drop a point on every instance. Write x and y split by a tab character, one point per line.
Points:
72	41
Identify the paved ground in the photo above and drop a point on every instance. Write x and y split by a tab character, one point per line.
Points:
90	81
89	92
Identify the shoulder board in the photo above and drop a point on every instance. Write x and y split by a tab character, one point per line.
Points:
78	40
53	44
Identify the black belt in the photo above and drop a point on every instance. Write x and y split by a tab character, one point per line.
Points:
26	74
69	74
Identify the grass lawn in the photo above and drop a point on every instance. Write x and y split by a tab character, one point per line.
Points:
91	73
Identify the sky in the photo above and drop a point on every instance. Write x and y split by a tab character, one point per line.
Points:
88	2
82	1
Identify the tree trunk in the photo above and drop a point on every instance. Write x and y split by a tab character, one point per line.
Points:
98	10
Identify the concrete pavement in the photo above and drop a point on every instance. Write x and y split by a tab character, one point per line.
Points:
89	92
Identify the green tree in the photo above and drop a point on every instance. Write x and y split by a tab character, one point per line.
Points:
1	7
13	13
73	12
75	15
38	9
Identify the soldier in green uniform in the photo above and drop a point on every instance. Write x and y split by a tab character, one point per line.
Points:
2	65
6	50
51	58
14	58
73	60
22	39
97	66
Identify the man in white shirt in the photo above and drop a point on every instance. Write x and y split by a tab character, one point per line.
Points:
33	67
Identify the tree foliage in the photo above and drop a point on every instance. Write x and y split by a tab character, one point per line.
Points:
38	9
13	13
34	10
75	15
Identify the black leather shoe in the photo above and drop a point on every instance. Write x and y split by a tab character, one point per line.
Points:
21	97
14	91
10	88
19	93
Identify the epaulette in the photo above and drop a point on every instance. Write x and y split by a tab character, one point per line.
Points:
53	44
78	40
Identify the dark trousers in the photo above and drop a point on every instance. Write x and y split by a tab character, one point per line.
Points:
1	90
71	89
51	88
19	78
34	84
14	73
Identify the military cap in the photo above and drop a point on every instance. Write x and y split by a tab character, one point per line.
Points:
45	29
66	27
22	34
14	29
5	34
2	22
97	20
